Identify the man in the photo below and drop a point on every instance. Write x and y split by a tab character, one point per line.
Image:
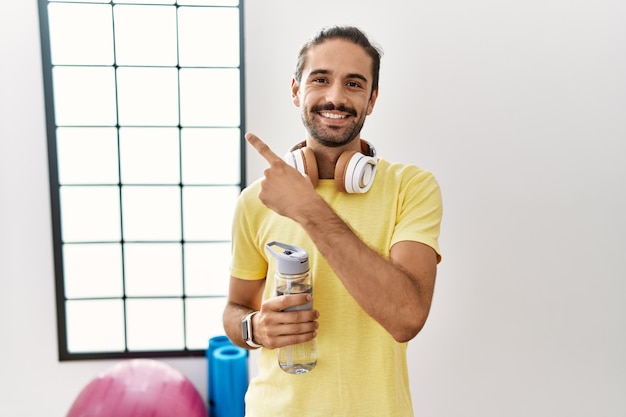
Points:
373	252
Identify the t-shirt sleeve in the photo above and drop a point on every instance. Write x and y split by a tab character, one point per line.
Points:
421	210
248	261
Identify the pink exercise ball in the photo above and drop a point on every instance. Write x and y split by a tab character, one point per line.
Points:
139	388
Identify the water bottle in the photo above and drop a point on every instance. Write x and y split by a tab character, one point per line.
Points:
293	277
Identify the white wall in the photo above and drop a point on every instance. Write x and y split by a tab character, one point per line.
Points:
517	107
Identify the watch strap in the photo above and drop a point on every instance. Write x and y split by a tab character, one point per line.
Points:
247	333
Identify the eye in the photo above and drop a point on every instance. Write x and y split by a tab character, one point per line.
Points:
355	84
320	80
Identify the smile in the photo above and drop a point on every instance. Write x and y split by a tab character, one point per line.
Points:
333	115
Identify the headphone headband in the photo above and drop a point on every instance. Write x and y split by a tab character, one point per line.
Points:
366	147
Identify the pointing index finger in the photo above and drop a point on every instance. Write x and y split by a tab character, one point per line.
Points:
262	148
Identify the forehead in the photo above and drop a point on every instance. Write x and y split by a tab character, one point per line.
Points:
338	56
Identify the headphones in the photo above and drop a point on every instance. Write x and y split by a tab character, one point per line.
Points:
354	171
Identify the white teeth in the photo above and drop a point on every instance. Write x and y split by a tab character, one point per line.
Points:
333	115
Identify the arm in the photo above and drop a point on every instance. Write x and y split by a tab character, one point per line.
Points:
272	327
411	267
402	309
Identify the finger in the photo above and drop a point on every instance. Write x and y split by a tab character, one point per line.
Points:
297	328
262	148
294	302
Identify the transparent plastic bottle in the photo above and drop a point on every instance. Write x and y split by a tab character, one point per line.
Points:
293	277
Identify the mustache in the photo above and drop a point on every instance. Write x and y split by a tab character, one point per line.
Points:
331	106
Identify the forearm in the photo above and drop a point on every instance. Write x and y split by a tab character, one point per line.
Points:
233	314
396	298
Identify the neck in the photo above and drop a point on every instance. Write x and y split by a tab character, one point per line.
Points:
326	157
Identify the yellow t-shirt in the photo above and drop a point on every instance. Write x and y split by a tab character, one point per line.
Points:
361	370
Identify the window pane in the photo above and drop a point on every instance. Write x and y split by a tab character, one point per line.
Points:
204	320
93	270
151	213
208	37
95	325
153	269
90	214
87	155
211	156
207	269
209	2
155	324
84	96
145	35
209	97
148	96
205	220
79	1
81	34
144	1
149	155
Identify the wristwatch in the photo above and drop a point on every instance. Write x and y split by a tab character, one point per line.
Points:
246	330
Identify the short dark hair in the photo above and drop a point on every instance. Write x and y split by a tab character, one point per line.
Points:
349	33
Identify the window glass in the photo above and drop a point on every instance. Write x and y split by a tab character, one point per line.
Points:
93	270
151	213
84	96
90	213
81	34
153	269
149	155
202	214
209	2
147	96
208	37
145	35
209	97
203	318
210	156
95	325
205	265
155	324
87	155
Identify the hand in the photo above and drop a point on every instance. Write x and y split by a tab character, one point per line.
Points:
274	328
283	190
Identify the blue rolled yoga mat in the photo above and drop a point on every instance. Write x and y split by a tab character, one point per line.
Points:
227	377
231	379
214	343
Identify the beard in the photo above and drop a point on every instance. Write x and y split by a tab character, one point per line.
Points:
332	136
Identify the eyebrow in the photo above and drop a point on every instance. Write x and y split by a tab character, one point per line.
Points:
325	72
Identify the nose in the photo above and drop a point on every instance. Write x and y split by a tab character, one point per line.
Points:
336	94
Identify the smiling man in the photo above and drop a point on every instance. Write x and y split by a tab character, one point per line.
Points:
371	229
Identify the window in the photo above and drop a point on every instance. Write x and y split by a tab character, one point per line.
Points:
144	104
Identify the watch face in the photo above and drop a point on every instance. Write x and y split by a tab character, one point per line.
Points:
245	331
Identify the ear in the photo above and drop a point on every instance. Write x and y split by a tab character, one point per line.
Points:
370	105
295	89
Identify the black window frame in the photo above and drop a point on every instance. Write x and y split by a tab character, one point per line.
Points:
47	66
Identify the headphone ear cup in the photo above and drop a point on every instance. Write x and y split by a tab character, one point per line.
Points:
303	159
310	164
341	168
354	172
